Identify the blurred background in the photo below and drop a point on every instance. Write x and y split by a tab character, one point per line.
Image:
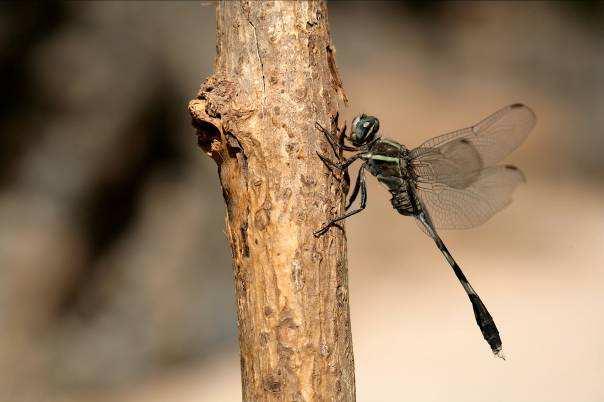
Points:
115	275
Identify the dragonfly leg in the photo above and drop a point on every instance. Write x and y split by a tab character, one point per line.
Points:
336	143
340	166
343	166
357	185
328	163
337	146
342	135
332	142
363	188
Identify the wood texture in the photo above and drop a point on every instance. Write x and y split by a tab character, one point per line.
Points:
275	76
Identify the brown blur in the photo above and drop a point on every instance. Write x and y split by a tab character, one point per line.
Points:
115	275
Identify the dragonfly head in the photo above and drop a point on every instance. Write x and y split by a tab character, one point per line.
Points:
364	129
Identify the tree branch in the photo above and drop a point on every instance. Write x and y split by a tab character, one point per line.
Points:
275	76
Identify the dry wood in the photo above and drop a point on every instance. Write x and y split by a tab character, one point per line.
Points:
275	76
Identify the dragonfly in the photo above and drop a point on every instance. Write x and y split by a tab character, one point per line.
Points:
452	181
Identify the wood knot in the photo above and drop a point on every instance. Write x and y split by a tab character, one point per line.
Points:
208	129
324	350
287	330
342	295
214	100
261	218
245	248
264	338
218	92
272	383
308	180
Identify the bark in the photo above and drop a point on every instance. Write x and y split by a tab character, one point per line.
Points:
275	76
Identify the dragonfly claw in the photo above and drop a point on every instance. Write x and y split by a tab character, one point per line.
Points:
329	163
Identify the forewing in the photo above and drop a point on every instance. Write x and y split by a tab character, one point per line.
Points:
456	164
493	138
461	208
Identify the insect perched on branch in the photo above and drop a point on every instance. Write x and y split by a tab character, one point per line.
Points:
449	182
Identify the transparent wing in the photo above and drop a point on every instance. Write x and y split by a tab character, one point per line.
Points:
490	140
456	164
489	191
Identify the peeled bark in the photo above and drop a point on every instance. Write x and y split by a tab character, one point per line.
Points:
275	76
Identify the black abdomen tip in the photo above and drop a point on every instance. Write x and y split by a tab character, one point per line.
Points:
511	167
517	105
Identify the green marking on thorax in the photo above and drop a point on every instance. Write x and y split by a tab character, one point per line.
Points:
394	144
382	158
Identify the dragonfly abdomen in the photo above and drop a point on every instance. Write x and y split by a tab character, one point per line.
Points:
401	201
